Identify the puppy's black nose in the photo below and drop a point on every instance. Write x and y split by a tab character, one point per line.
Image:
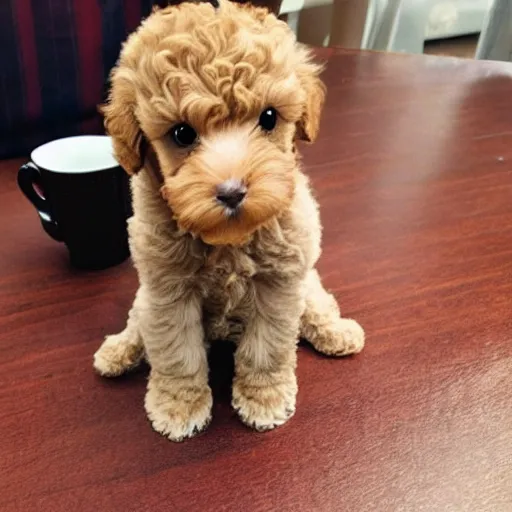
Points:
231	193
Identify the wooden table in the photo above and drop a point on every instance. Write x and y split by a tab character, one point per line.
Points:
413	171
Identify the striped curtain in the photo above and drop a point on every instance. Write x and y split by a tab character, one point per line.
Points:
55	58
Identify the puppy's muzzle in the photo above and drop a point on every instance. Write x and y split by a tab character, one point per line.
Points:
231	193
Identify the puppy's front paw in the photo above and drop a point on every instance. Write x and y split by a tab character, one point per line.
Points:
345	336
118	354
178	408
264	407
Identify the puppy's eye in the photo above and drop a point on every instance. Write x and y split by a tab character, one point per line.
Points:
183	135
268	119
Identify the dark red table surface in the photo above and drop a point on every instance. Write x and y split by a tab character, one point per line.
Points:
413	171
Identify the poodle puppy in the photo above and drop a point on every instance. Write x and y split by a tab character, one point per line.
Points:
205	110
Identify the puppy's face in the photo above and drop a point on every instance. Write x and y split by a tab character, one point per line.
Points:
221	96
224	182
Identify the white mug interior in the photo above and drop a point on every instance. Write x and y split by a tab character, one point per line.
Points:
75	155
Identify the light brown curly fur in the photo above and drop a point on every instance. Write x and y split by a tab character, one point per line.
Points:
204	276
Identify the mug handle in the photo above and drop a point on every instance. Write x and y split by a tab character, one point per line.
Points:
28	176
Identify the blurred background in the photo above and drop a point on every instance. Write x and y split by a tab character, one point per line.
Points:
56	55
448	27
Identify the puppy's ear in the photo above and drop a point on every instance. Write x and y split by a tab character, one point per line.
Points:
309	124
121	124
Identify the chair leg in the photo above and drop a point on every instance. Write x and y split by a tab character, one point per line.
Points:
398	26
495	42
347	22
293	21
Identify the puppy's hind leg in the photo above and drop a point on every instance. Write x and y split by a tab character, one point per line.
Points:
121	352
322	325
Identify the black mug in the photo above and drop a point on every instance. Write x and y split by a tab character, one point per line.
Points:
82	196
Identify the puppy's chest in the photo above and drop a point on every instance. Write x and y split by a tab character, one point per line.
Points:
228	278
225	279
